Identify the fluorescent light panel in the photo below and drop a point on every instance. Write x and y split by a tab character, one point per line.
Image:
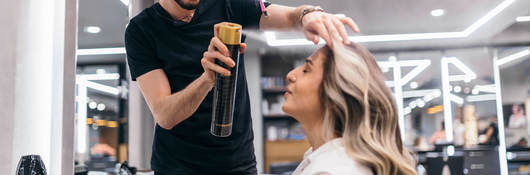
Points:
448	118
479	23
468	73
513	57
420	65
398	93
477	98
419	93
523	19
100	87
500	118
437	12
82	129
101	51
272	41
111	76
486	88
125	2
92	29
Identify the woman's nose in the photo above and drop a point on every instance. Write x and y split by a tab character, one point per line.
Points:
290	77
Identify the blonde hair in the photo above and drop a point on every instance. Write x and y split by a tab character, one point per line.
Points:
359	107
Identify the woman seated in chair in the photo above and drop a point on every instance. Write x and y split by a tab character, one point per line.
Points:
348	114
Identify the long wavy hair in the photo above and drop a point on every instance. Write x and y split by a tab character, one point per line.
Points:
359	107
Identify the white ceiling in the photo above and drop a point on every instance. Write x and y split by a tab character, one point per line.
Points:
380	17
110	15
375	17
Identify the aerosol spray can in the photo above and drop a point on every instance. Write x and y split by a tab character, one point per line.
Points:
225	86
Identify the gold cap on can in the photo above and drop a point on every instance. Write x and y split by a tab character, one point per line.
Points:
230	33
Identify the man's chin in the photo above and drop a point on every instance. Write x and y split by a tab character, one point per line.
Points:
188	5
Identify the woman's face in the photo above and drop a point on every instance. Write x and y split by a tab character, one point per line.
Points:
302	96
515	109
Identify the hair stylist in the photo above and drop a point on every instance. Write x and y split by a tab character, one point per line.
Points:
171	51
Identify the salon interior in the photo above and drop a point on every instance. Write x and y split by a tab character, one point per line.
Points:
459	72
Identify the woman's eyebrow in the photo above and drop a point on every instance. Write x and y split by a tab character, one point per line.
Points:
309	61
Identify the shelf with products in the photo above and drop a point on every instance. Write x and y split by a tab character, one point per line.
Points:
273	97
273	84
285	143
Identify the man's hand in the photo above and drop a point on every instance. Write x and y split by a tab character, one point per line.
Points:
218	50
316	25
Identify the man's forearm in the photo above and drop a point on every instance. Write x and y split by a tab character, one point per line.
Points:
294	16
283	17
173	109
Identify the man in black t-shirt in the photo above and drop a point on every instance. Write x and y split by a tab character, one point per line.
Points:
171	49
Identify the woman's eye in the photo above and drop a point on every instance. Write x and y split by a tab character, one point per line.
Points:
305	71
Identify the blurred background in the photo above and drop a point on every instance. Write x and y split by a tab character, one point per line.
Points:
459	72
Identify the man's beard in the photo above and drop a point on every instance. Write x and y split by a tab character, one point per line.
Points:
187	6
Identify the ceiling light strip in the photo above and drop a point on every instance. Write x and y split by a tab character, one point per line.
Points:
486	88
477	98
111	76
272	41
419	93
100	87
125	2
479	23
513	57
101	51
523	19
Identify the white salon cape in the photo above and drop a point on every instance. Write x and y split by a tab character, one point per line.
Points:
330	159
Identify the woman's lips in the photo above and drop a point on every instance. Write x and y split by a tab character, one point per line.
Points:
287	92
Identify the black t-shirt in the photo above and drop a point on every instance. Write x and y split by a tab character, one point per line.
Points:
154	41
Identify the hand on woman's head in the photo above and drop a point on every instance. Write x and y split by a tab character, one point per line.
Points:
333	33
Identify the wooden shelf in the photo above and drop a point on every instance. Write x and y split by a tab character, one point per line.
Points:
282	151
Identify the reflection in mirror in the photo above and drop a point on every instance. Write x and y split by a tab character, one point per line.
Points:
101	127
514	75
448	103
100	123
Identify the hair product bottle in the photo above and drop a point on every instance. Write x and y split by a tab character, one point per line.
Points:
225	86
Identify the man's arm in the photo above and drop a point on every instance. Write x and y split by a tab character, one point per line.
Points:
313	24
282	17
171	109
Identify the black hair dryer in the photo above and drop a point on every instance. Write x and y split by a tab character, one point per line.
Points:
31	165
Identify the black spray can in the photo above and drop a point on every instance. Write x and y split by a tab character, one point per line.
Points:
225	86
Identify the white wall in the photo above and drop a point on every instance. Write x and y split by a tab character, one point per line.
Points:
32	66
32	124
253	73
8	38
